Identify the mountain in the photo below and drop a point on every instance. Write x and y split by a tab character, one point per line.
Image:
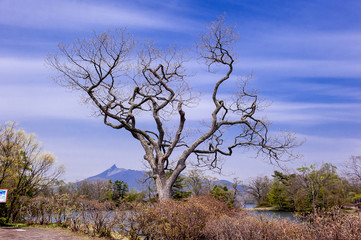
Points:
131	177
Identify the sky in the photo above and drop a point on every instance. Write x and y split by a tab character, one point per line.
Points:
305	56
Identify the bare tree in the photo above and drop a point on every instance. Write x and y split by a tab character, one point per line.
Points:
126	84
196	181
353	170
259	188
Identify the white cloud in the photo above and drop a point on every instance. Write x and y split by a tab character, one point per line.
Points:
333	44
29	65
20	96
293	67
44	14
323	149
313	113
32	102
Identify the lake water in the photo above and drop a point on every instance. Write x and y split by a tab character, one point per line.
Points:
271	214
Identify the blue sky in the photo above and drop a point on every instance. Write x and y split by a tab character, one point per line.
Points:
305	56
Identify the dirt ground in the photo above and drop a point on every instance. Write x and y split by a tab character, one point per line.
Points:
33	233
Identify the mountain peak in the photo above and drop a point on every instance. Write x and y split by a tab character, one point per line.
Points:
114	173
109	172
113	167
114	170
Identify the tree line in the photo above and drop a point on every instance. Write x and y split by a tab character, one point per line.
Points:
309	188
28	172
305	190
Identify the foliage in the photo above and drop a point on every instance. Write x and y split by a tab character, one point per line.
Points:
357	197
279	194
134	196
308	190
148	184
325	187
178	188
25	169
332	224
222	194
119	189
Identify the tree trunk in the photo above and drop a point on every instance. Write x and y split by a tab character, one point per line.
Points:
164	188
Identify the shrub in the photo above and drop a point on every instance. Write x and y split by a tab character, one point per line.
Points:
95	218
332	224
196	218
172	219
247	226
2	221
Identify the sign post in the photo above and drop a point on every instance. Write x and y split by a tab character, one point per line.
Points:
3	195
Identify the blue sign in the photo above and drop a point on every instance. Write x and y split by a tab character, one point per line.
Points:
3	195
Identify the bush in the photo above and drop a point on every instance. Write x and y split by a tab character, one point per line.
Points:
196	218
333	224
247	226
172	219
2	221
95	218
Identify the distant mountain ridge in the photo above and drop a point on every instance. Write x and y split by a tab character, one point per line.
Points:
133	177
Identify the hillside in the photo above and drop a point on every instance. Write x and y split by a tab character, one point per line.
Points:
132	177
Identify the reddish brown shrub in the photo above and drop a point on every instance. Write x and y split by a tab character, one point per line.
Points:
97	218
196	218
333	224
173	219
247	226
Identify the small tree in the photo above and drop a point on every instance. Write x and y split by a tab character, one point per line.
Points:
24	168
178	190
353	171
259	188
222	194
279	193
196	181
126	83
119	189
148	184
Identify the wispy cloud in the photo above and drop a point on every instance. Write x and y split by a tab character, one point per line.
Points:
285	41
318	149
66	14
313	113
315	150
14	69
24	102
338	90
292	67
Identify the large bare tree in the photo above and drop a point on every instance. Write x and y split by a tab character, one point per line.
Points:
127	83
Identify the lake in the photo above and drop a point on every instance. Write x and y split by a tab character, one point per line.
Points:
270	214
